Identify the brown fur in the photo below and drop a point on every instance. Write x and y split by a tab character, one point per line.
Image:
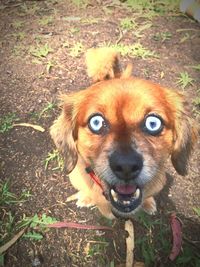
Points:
124	101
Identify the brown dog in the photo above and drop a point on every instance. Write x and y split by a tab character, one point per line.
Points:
116	135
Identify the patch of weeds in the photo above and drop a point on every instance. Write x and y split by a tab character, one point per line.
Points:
127	24
138	31
6	122
8	220
1	260
74	30
41	51
97	247
30	9
152	244
159	7
196	101
188	257
184	38
50	65
17	24
76	50
19	35
80	3
89	21
18	50
45	21
135	50
66	44
139	5
49	107
184	80
162	36
157	241
55	157
37	222
197	211
33	236
36	226
197	67
147	250
7	197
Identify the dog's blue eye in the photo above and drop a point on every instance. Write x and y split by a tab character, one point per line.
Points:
96	123
153	124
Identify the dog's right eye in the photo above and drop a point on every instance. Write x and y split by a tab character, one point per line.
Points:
97	124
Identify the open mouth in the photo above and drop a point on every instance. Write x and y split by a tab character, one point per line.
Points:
125	198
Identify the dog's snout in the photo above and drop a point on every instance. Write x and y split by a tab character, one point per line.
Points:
126	165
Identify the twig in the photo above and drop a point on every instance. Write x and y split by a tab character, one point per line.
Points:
130	245
12	241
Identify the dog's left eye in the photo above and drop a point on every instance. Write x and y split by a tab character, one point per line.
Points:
97	123
153	124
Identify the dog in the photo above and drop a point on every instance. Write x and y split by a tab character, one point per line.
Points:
116	136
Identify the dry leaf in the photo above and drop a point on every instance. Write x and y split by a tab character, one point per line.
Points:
36	127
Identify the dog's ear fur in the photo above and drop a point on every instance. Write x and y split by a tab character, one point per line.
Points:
63	135
103	64
185	137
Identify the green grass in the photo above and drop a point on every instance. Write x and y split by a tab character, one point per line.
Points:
135	50
48	20
55	157
6	122
197	67
29	8
89	21
162	36
97	248
11	223
36	227
156	241
74	30
127	24
184	80
196	101
41	51
80	3
8	198
48	108
17	24
19	35
76	50
158	7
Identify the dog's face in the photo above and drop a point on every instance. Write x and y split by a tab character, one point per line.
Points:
125	129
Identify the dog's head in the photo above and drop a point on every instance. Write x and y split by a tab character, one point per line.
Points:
125	128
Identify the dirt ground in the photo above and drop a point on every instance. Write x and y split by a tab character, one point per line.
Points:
30	80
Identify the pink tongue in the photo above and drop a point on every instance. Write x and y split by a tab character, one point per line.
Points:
125	189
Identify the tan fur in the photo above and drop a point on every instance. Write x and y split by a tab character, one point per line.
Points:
124	101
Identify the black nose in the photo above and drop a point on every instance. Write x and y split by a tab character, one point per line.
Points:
126	165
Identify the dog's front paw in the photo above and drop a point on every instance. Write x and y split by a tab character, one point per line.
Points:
84	201
149	206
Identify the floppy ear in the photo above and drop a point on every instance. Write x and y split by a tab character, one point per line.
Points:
62	133
184	140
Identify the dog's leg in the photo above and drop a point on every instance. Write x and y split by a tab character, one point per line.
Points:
149	206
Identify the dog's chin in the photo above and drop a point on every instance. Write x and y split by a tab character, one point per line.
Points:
125	199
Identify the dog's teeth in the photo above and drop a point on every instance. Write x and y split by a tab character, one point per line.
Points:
126	202
137	193
114	195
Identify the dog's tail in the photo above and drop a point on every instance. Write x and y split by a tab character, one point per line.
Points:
103	64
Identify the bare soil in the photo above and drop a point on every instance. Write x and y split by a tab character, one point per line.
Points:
26	89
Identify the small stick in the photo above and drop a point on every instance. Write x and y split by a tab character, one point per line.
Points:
130	245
